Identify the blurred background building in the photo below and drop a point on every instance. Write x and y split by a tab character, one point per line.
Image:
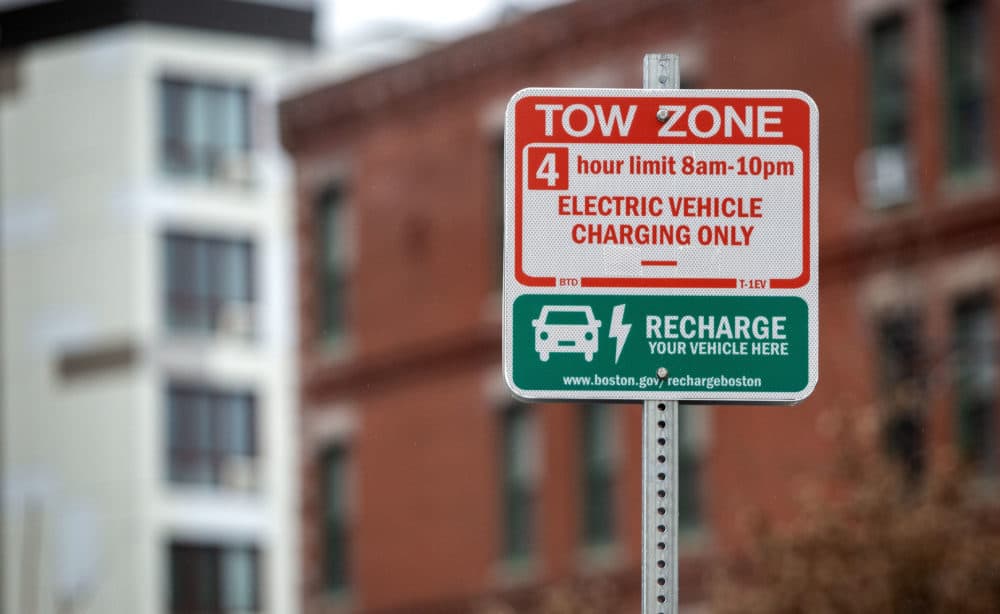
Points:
148	406
425	487
233	385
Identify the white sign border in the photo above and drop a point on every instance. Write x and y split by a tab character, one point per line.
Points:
512	289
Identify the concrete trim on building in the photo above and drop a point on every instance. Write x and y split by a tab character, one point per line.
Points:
22	26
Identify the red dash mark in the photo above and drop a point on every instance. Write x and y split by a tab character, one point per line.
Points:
659	263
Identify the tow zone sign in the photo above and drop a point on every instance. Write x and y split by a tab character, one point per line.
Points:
661	229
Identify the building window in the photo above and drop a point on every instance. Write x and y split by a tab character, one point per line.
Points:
690	458
336	518
214	578
889	82
499	199
975	380
888	162
205	129
212	437
520	462
332	247
902	390
599	456
965	78
209	284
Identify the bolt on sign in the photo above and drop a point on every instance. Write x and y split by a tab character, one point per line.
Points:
661	244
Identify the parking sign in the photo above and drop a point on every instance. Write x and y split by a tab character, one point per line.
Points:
661	244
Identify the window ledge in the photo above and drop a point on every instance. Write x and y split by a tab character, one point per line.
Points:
693	541
984	487
968	186
340	601
241	173
336	602
205	492
517	571
877	205
242	479
335	348
492	309
598	558
198	339
184	181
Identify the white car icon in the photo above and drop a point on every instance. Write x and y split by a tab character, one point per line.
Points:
566	328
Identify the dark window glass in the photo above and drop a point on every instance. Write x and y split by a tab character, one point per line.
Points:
332	262
498	211
965	78
598	463
975	379
205	129
336	528
212	578
689	469
212	437
209	284
901	369
889	99
519	463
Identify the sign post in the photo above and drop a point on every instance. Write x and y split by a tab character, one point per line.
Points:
660	477
660	245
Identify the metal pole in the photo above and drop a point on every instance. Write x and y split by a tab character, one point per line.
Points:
659	444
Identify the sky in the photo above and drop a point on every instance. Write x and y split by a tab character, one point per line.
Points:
344	20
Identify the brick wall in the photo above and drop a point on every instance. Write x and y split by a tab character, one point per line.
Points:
418	376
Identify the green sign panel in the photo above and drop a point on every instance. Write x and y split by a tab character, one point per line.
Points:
618	345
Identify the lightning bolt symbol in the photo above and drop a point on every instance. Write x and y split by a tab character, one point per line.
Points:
618	330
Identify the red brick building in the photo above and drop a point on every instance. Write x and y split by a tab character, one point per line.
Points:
426	488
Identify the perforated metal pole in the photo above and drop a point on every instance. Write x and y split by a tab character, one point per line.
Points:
659	444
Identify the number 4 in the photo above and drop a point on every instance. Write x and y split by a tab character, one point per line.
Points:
547	170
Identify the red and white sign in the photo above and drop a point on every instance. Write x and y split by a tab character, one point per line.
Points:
669	189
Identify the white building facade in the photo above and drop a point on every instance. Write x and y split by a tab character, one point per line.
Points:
147	433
